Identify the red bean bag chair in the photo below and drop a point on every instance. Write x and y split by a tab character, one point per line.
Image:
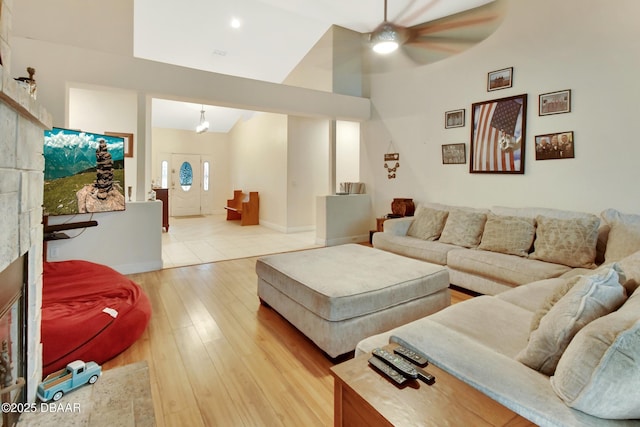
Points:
90	312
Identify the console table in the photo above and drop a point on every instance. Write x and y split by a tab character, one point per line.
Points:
363	397
162	194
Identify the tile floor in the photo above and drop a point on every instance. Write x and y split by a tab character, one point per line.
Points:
211	238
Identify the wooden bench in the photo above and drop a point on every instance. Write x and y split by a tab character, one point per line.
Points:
245	207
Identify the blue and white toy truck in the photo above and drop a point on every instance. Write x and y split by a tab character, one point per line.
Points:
76	374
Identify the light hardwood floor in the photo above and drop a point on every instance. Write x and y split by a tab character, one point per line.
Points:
219	358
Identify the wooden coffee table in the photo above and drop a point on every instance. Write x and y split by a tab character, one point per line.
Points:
363	397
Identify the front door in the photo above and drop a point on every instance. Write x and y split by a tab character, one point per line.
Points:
185	184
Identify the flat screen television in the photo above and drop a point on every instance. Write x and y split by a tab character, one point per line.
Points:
83	172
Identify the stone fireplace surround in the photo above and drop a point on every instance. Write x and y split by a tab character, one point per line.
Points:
22	122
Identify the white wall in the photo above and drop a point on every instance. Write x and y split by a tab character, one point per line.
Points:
128	241
552	45
342	219
315	70
307	170
347	152
258	162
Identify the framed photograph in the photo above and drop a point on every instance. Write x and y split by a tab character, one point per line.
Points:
498	135
128	142
454	119
454	154
500	79
554	103
555	146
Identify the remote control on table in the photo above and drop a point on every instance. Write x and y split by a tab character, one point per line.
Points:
411	356
425	376
387	370
396	362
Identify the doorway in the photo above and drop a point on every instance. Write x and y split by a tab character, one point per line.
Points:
190	192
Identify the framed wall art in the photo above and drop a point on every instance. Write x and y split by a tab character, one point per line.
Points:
498	135
555	146
453	154
454	119
128	142
500	79
391	164
554	102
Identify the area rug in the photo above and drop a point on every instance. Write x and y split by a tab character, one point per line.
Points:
121	397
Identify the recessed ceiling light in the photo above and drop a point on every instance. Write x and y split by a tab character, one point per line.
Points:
235	23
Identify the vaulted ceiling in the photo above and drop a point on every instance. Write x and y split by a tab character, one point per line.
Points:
256	39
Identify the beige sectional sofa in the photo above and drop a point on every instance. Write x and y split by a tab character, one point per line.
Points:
562	349
487	342
493	250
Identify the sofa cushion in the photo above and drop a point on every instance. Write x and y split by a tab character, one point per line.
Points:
509	269
591	297
508	234
570	242
427	224
532	295
397	226
631	267
624	235
598	372
430	251
533	212
463	228
469	321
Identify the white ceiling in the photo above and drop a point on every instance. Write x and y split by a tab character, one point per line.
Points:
274	35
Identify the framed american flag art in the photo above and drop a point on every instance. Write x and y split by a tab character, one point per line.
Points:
498	135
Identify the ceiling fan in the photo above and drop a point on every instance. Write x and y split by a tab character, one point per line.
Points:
437	39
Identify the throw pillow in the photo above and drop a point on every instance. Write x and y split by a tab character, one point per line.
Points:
598	373
591	297
551	300
624	235
463	228
570	242
427	223
508	234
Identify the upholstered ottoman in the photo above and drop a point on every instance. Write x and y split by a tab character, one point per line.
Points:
340	295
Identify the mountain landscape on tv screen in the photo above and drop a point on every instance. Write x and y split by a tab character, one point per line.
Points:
73	180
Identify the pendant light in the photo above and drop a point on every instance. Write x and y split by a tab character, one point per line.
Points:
203	126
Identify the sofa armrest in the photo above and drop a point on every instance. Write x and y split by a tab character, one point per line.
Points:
398	226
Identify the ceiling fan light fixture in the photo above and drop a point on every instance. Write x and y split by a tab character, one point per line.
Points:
203	126
385	39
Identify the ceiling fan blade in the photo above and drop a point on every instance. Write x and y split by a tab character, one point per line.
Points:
476	23
435	40
422	54
452	45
